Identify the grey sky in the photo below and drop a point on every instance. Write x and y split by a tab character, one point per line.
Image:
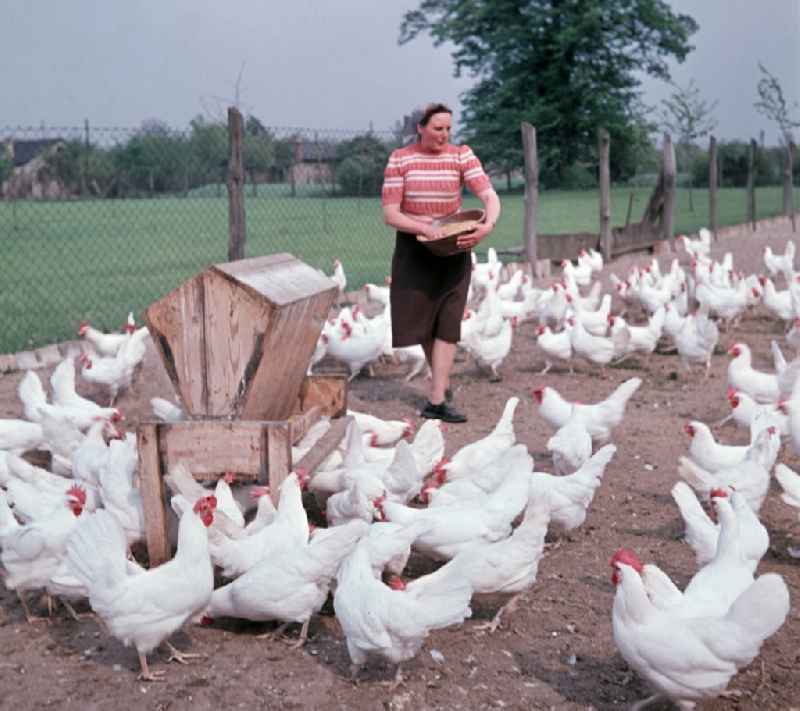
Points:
318	64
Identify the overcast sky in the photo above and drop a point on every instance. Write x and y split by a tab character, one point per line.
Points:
318	64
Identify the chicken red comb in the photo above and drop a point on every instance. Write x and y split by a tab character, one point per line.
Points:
77	492
257	492
626	556
538	395
540	330
396	583
117	416
688	428
718	493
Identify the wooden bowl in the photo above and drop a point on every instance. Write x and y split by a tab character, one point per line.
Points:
453	226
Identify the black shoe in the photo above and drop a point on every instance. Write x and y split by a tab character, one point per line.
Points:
442	412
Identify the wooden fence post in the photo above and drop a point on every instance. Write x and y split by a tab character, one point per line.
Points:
531	193
751	185
603	143
788	185
236	217
669	172
712	186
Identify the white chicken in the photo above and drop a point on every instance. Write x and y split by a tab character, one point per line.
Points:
697	248
570	446
761	386
595	322
456	528
707	453
749	478
20	435
166	411
378	432
596	349
508	566
377	620
571	495
747	413
145	608
106	344
555	346
687	660
291	584
117	490
780	263
702	534
642	339
339	276
696	340
599	419
32	553
790	483
491	350
473	456
357	344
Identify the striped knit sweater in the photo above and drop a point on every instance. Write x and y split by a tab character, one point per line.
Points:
426	183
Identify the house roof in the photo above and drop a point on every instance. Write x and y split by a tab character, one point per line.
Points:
26	150
313	151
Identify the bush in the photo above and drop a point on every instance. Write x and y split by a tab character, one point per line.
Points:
577	177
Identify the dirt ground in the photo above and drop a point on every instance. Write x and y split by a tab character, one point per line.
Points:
555	652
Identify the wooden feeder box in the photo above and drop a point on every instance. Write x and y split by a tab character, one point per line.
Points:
236	341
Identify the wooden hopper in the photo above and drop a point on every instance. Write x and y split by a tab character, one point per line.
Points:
237	339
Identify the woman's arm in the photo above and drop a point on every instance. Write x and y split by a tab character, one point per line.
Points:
395	217
491	204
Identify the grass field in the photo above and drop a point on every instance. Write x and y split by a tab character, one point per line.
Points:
69	260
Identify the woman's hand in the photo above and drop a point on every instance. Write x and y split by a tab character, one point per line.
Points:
470	239
432	231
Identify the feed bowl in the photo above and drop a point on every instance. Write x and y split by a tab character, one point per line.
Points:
452	226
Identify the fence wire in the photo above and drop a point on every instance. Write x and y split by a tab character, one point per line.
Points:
97	222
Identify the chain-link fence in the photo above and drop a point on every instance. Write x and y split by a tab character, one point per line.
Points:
97	222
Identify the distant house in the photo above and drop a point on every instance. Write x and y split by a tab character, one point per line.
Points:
314	162
31	177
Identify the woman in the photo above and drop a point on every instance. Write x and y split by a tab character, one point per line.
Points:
423	182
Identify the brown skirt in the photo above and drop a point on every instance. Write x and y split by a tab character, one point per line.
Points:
428	293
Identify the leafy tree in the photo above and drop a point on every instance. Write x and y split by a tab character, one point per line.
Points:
566	66
208	149
772	104
360	165
687	117
258	150
6	169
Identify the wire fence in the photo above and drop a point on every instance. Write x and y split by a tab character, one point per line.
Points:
96	222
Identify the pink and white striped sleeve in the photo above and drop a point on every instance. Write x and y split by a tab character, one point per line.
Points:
472	172
393	181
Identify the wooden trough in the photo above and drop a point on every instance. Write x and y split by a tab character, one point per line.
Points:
236	341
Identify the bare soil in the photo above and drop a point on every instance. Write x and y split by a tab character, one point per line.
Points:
555	652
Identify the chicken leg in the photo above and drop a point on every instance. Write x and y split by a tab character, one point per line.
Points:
303	636
146	674
509	606
175	655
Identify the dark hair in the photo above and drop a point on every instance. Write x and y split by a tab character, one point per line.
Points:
432	109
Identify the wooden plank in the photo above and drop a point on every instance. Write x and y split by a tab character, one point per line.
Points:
288	345
531	159
751	184
151	489
177	325
280	278
236	213
603	141
669	171
301	423
279	456
325	446
713	175
211	447
235	323
328	391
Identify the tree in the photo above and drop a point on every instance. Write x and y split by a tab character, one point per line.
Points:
361	162
567	66
687	117
772	104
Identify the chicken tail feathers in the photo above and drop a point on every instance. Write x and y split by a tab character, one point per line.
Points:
701	533
505	424
96	551
443	596
759	611
695	476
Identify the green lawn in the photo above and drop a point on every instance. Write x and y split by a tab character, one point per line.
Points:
69	260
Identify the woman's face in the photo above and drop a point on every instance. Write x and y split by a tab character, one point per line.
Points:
436	134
